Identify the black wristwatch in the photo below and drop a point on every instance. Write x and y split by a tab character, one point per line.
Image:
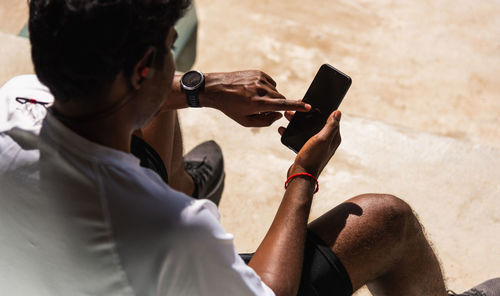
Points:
192	83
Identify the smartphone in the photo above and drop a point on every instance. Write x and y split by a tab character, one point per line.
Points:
324	95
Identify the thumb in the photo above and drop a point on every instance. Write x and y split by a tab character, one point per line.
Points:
332	124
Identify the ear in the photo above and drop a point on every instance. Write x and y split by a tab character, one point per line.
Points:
143	69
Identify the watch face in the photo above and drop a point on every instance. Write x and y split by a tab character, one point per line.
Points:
192	79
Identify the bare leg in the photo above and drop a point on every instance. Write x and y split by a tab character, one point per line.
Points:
163	133
381	244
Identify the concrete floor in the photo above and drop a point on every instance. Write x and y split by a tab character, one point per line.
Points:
421	118
433	66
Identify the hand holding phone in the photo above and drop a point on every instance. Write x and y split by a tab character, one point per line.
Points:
324	95
317	151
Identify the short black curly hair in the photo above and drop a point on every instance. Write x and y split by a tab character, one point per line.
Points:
79	46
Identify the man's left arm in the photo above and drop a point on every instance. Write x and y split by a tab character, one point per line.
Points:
248	97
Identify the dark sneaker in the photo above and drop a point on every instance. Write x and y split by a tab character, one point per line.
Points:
205	164
488	288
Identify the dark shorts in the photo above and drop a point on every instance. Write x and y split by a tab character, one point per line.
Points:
322	271
148	156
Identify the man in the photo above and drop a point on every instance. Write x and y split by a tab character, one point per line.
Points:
84	218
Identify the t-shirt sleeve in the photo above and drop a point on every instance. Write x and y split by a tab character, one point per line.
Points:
207	263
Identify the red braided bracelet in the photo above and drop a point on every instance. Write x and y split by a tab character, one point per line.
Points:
302	174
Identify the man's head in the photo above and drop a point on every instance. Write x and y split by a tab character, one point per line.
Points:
80	46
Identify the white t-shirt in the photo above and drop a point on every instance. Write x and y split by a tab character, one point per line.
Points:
78	218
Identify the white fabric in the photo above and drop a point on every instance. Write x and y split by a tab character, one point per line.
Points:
77	218
28	116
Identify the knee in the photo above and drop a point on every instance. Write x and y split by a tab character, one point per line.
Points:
392	218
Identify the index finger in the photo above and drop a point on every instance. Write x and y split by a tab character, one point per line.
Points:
282	104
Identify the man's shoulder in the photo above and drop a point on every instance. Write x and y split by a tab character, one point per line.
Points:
143	192
140	192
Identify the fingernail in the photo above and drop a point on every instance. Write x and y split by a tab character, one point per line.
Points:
308	107
337	115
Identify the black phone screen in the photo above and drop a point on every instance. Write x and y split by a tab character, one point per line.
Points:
324	95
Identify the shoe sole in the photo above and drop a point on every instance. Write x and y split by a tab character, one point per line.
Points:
216	194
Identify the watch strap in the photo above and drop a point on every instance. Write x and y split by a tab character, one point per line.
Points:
192	98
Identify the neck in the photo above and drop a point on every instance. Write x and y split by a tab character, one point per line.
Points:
108	121
110	131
